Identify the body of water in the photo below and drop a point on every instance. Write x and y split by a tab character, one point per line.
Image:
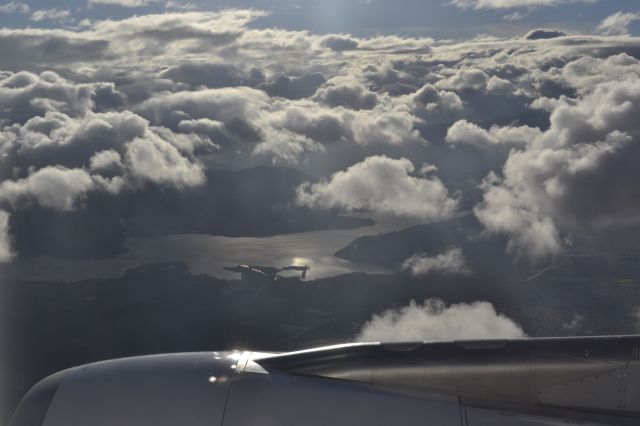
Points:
206	254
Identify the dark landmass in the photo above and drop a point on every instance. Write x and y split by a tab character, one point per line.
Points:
392	248
254	202
49	326
487	258
485	255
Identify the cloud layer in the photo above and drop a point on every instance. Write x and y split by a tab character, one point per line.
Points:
512	129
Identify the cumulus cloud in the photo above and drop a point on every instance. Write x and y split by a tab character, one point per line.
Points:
475	79
499	85
393	126
380	185
5	240
121	150
450	262
152	159
278	128
464	132
105	161
225	105
577	176
436	105
587	72
24	95
618	23
433	321
349	96
54	187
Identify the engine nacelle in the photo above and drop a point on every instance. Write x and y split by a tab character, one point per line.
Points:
209	389
586	381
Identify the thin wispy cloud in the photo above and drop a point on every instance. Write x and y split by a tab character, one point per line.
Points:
179	5
449	262
50	15
512	4
123	3
15	7
618	23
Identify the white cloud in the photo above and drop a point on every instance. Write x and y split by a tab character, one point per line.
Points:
177	5
464	132
383	186
475	79
349	96
6	253
15	7
384	126
449	262
532	232
280	128
154	160
108	160
511	4
500	86
175	38
223	104
123	3
514	16
114	144
433	321
430	103
587	72
618	23
578	177
25	95
285	146
54	187
50	15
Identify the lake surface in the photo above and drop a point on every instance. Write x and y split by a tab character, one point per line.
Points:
206	254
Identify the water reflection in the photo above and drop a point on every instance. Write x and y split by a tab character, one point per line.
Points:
206	254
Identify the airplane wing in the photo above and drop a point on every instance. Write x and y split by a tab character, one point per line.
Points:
558	381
